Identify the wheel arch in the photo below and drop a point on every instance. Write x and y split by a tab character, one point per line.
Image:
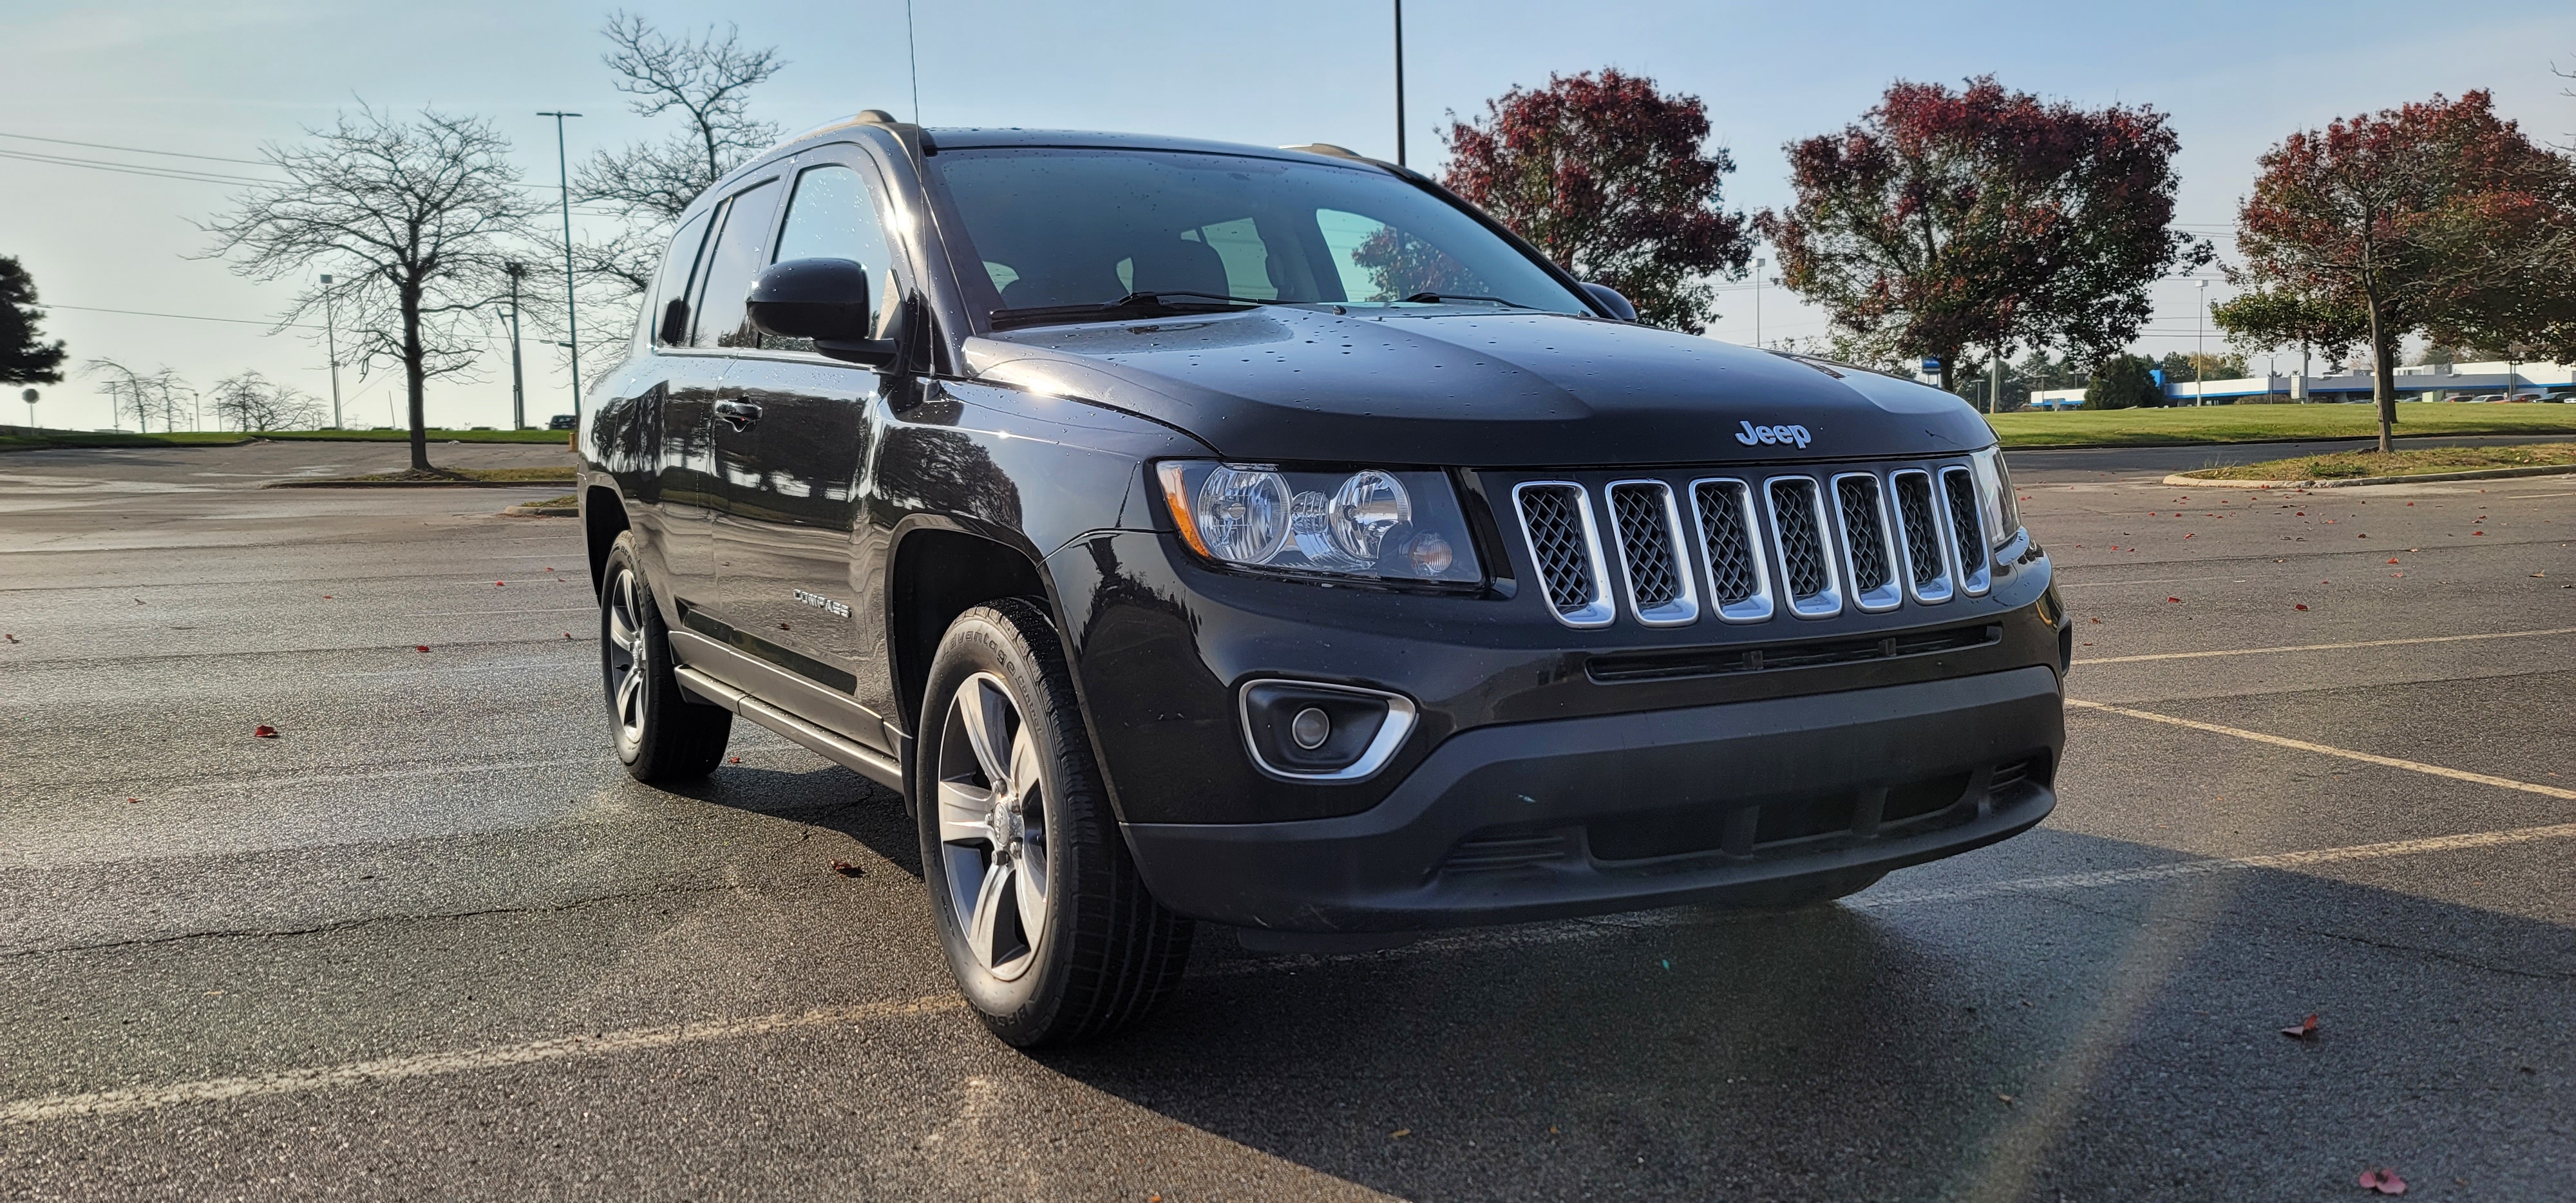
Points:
603	518
940	571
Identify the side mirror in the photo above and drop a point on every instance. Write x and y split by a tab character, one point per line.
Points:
1609	298
821	300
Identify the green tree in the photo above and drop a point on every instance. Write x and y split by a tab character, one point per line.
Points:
2272	319
2123	382
24	358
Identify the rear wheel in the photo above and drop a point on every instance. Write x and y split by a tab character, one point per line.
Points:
662	733
1048	928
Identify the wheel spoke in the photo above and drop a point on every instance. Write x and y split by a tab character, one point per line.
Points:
1024	762
983	932
629	695
1028	885
965	812
986	710
620	635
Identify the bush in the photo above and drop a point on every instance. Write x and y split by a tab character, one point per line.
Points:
2123	382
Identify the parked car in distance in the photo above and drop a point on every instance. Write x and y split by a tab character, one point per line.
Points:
562	422
1266	538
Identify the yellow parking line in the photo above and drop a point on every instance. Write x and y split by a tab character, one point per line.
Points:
2323	647
2546	791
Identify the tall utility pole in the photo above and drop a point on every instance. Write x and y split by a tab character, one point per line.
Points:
572	314
30	397
1399	83
331	339
1757	301
2200	347
518	383
1995	382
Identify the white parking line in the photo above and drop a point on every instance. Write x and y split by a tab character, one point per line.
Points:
2323	647
2546	791
425	1065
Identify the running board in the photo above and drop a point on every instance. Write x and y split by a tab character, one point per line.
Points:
866	762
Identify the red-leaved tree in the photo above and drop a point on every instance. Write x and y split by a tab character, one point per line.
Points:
1613	180
1982	217
2437	217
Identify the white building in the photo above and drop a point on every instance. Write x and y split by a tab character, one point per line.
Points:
2422	382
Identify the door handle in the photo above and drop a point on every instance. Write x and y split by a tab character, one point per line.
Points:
741	413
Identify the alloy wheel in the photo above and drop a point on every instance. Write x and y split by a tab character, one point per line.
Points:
625	659
992	826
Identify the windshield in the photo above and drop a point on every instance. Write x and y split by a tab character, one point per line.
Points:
1060	227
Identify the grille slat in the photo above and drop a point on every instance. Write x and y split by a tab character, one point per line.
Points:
1806	564
1659	583
1556	518
1967	534
1859	498
1922	532
1734	565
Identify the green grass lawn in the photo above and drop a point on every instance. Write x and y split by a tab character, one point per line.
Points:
2405	461
2262	423
21	438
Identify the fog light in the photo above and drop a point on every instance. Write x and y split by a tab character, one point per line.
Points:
1308	731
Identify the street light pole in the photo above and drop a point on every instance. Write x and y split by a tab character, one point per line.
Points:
572	311
518	383
1757	301
2200	347
331	339
29	397
1399	83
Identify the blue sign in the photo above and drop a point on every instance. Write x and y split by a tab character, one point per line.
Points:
2159	374
1931	366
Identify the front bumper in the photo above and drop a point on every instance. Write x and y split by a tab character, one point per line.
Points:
1616	812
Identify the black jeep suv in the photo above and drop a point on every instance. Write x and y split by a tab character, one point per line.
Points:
1269	538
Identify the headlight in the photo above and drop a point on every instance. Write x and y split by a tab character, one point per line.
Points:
1995	495
1369	522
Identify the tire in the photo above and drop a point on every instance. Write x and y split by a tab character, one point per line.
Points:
662	733
1048	928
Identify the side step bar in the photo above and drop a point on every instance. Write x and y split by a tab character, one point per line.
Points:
866	762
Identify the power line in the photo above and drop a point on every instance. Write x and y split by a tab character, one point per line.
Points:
176	154
193	317
159	173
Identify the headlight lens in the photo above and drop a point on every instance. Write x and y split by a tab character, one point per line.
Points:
1370	522
1995	495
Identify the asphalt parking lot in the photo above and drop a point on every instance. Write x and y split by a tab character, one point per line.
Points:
430	942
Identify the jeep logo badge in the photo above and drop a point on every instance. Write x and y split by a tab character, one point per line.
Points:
1752	434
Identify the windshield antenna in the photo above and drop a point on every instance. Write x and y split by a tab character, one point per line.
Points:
1399	82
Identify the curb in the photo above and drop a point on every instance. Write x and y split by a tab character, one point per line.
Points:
551	511
419	484
2349	482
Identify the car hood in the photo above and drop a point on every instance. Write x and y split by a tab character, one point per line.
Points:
1473	389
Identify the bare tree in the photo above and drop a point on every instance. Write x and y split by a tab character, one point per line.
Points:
144	395
423	213
708	81
251	401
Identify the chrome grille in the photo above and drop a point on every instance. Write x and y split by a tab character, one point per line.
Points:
1798	529
1649	528
1967	535
1918	524
1867	546
1731	551
1556	518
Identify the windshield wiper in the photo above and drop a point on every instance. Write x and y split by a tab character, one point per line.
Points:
1434	298
1135	304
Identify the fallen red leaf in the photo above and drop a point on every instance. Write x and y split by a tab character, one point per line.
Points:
2097	622
733	760
420	647
2477	532
496	584
326	597
2392	559
2303	607
567	634
550	570
2307	1029
2173	599
845	868
2384	1181
263	731
10	638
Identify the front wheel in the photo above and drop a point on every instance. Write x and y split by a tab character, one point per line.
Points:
1049	930
662	733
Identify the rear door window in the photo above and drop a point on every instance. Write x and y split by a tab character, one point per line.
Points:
671	287
736	261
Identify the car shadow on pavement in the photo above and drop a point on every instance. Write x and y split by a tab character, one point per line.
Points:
827	796
2114	1041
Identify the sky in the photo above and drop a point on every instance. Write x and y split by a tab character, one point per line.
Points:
221	80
